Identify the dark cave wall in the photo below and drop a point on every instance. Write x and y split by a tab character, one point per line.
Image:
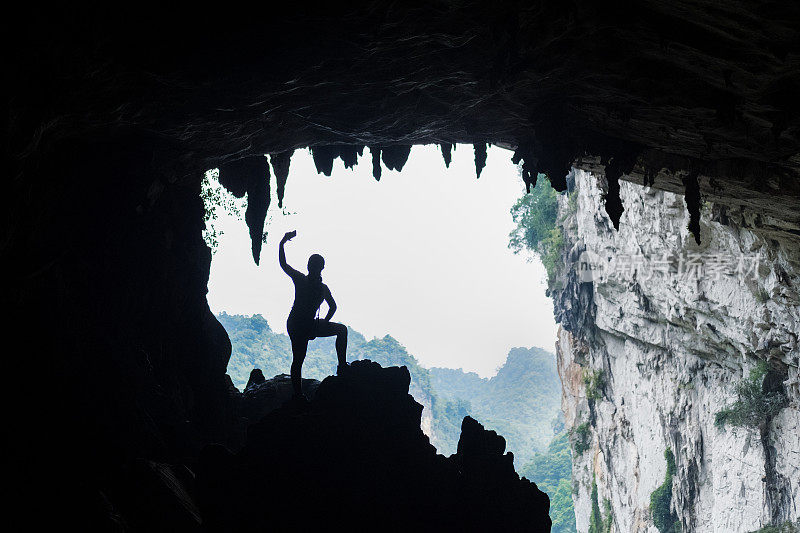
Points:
121	355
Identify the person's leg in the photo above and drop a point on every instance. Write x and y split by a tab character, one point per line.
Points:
299	348
329	329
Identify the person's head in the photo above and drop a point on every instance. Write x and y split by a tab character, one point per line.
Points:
315	265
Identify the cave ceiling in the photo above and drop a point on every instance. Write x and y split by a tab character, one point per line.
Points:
684	95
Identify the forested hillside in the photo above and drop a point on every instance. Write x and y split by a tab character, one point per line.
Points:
255	345
520	402
552	472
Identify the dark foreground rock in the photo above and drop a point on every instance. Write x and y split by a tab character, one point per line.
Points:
262	396
355	457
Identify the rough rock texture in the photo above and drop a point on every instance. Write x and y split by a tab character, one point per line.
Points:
671	348
357	456
685	85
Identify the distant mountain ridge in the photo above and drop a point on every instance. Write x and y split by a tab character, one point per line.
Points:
520	402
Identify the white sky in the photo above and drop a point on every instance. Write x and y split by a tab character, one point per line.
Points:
421	255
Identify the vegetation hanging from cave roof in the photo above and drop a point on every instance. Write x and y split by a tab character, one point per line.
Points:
217	199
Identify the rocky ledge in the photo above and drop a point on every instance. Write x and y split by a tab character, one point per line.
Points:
355	456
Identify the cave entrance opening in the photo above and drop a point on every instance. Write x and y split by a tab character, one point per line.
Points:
420	266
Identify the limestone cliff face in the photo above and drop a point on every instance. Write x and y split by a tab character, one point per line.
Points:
667	341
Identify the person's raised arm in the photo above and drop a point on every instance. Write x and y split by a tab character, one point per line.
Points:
282	255
331	303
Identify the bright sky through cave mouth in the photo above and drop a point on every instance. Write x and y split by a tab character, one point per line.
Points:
421	255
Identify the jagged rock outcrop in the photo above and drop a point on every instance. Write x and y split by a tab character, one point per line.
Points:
652	345
356	456
262	396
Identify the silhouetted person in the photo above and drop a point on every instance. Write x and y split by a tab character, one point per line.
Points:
303	323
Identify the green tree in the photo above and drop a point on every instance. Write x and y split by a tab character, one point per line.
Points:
217	199
552	473
536	215
755	405
664	518
595	520
595	381
581	438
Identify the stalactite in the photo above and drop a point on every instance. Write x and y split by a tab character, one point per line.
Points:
480	158
280	165
621	163
323	158
558	181
528	171
447	153
396	156
376	162
235	175
250	175
613	202
349	155
648	177
554	143
258	199
692	197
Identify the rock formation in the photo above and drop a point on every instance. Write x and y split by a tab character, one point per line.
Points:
265	395
357	458
652	346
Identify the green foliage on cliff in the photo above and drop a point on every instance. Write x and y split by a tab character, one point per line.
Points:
597	523
594	380
518	402
581	438
754	405
535	215
552	473
665	520
786	527
595	520
217	199
609	519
